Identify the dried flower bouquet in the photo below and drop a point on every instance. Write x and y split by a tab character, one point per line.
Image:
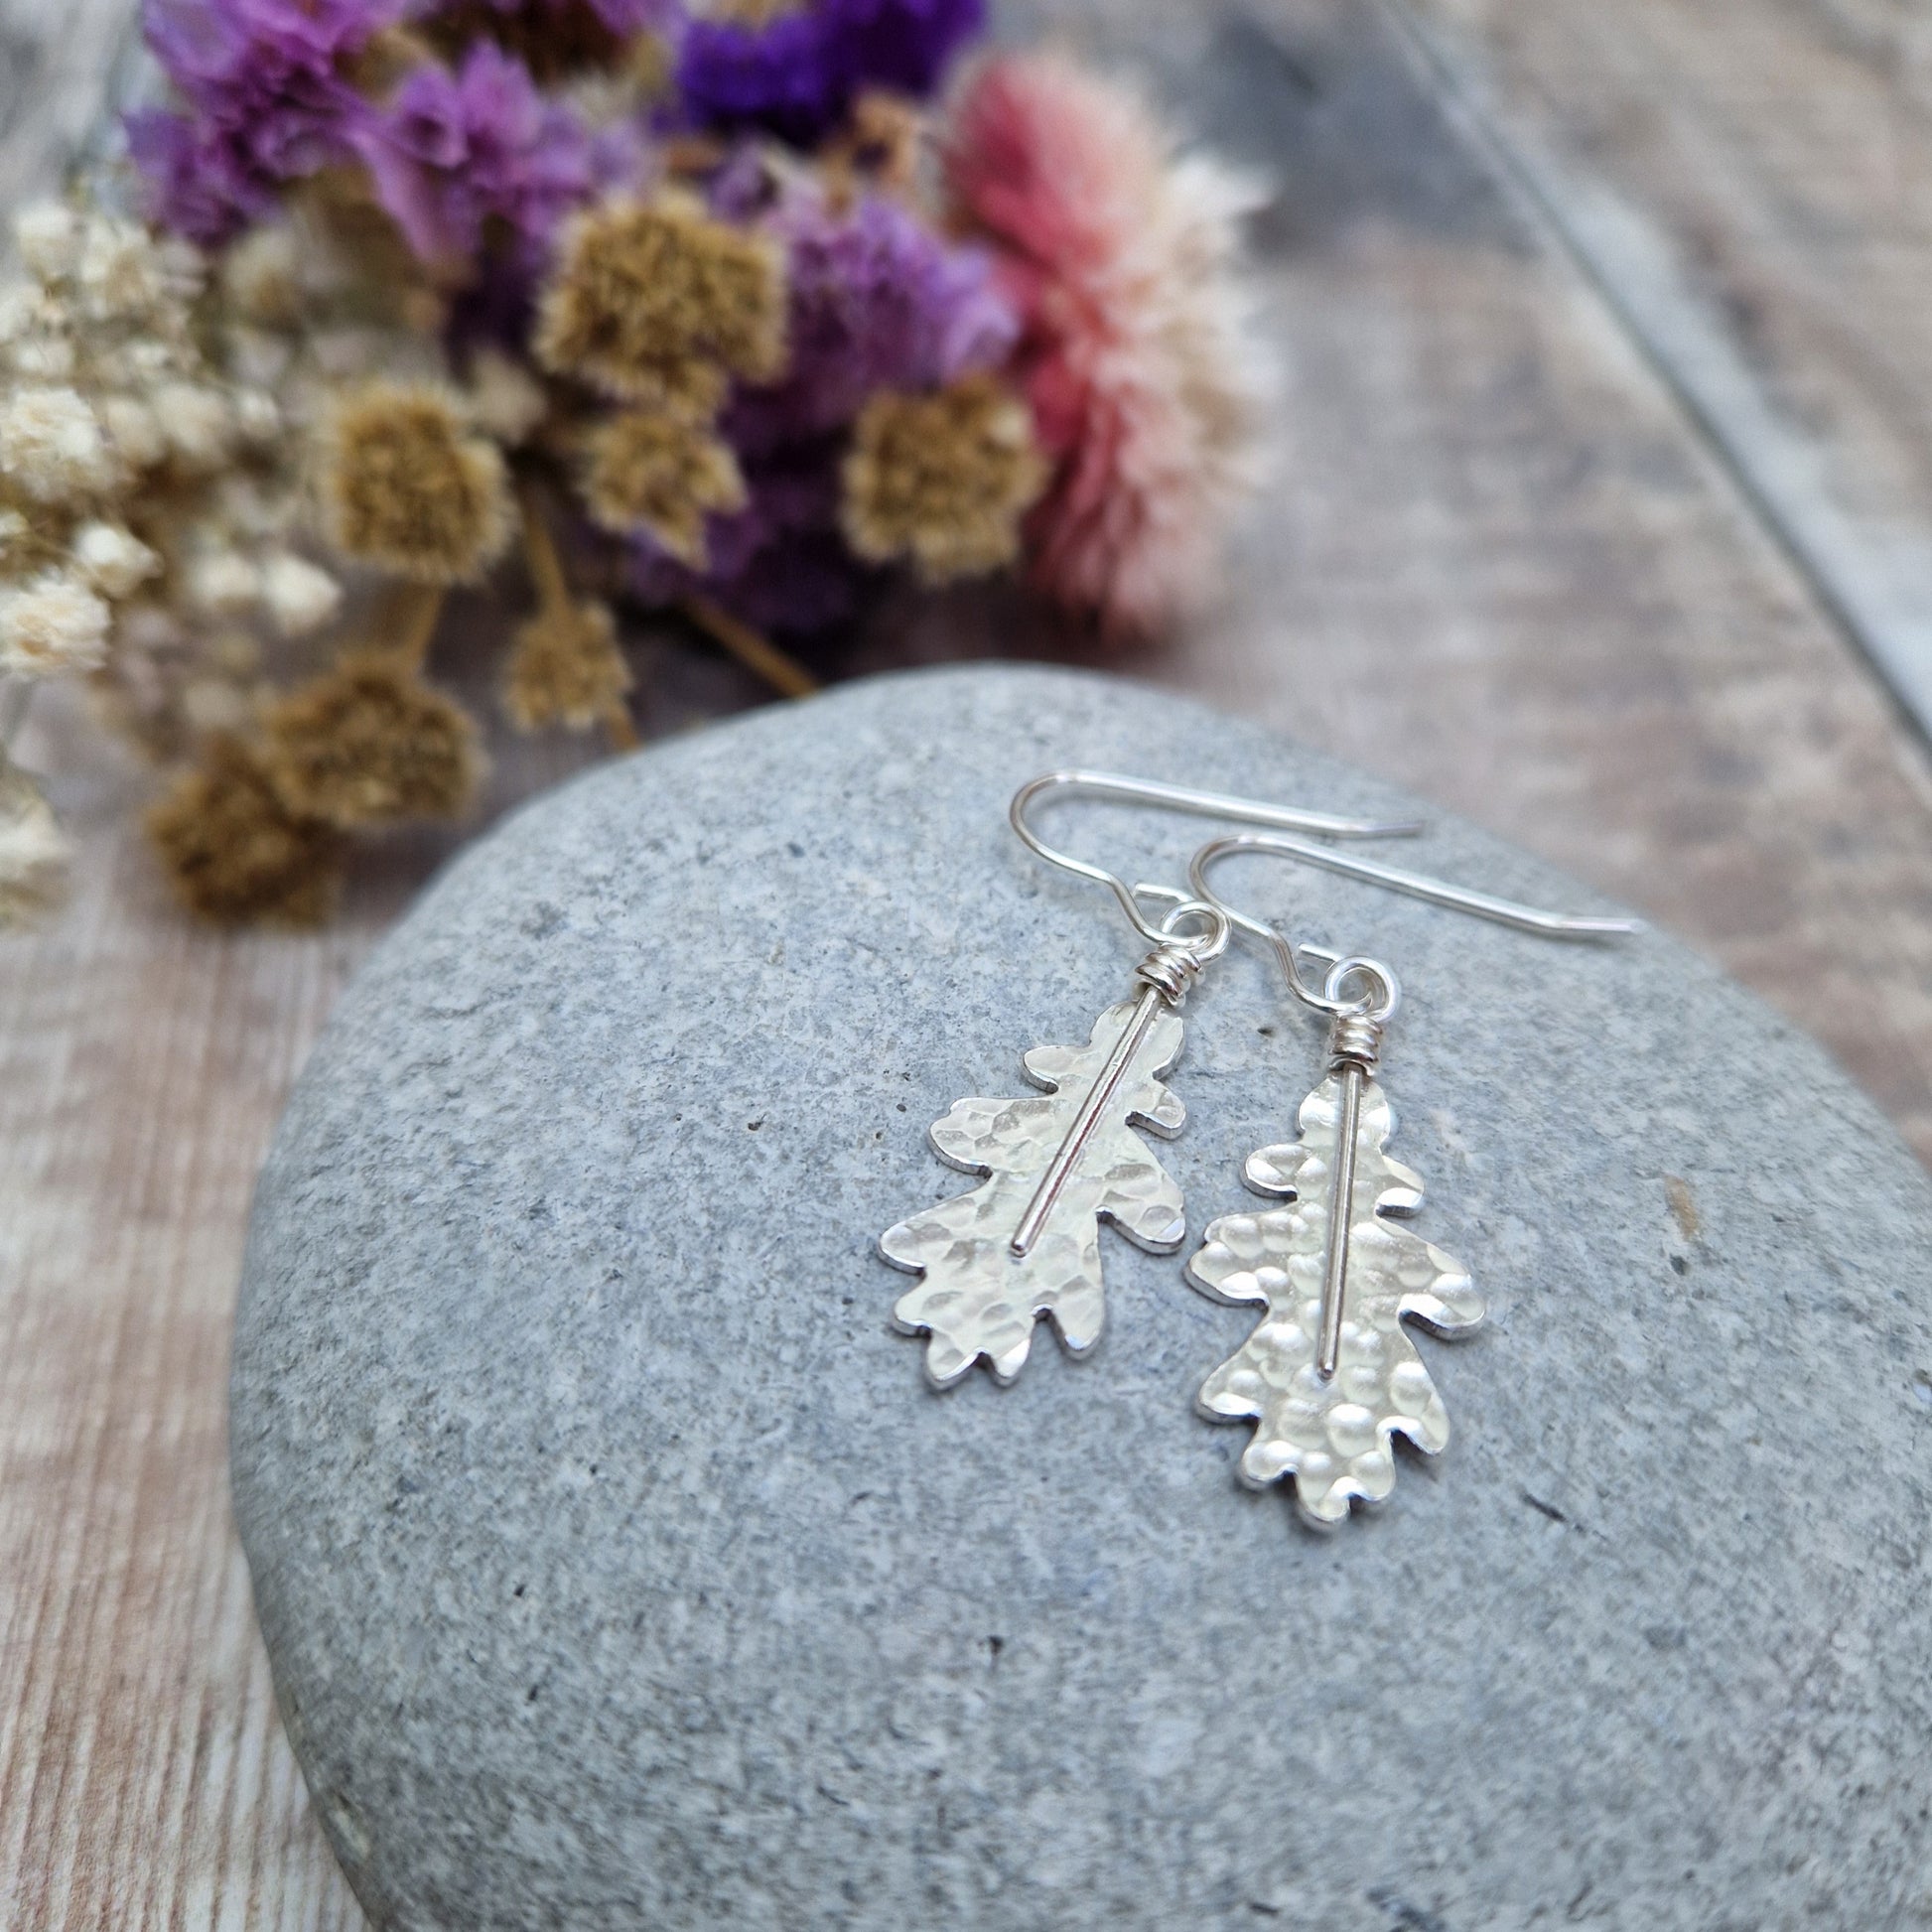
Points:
708	309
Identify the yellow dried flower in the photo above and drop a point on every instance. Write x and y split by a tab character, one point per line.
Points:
392	53
408	487
649	66
752	13
879	146
235	853
654	300
566	669
664	475
942	480
371	741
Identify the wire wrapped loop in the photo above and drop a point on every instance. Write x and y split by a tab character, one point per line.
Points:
1172	968
1191	937
1355	1040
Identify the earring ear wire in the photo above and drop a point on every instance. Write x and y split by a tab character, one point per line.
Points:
1467	900
1176	798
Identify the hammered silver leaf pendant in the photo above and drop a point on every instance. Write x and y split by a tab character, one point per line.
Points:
1329	1375
1025	1242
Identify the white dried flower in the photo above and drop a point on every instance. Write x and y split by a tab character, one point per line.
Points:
52	446
195	421
33	852
505	400
13	526
223	581
146	360
47	235
21	306
121	274
114	560
258	357
51	626
42	358
262	275
184	265
244	509
301	597
351	349
257	416
133	431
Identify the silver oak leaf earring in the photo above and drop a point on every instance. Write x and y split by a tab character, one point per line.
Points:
1329	1375
1025	1242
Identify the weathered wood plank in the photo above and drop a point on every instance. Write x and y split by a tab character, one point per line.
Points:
143	1778
1502	564
1751	188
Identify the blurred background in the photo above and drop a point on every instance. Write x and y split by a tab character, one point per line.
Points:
1604	517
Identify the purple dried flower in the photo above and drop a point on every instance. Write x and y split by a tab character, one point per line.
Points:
878	300
216	50
797	75
629	18
621	157
781	77
453	151
801	584
781	563
747	185
194	184
622	18
266	100
903	45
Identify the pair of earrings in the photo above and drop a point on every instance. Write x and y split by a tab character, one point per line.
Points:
1329	1375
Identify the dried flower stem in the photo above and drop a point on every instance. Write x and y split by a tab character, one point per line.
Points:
618	732
757	653
553	594
419	610
540	551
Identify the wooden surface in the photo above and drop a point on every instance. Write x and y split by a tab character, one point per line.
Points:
1607	474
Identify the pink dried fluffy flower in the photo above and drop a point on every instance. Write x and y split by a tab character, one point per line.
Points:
1143	375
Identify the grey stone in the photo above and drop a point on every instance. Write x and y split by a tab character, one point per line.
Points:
619	1568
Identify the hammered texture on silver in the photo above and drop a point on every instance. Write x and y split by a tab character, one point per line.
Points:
977	1299
1333	1436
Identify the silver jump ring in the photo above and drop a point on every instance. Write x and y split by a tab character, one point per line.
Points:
1379	1007
1208	944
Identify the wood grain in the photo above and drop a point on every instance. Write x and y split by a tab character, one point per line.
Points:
143	1778
1507	562
1751	188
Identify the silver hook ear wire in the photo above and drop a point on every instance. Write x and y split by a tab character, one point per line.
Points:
1179	798
1414	885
